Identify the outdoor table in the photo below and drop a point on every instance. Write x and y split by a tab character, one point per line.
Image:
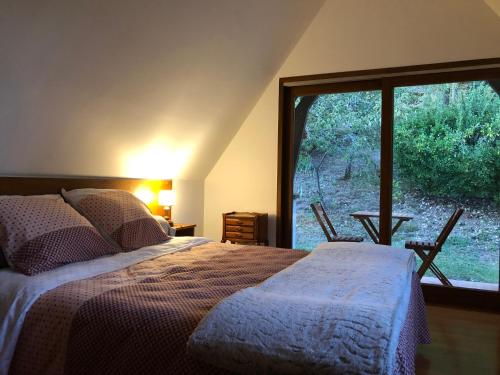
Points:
365	218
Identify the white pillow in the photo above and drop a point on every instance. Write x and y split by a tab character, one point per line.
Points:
165	225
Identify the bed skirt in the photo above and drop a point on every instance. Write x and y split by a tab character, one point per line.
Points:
414	332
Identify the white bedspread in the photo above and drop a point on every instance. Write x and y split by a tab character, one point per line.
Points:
339	310
18	292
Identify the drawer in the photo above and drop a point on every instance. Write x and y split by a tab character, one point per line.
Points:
237	222
232	228
239	235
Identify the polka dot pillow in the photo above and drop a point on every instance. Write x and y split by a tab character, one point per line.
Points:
39	233
118	215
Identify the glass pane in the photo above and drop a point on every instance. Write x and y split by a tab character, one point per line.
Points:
447	155
338	164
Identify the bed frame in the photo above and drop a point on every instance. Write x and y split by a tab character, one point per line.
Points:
34	185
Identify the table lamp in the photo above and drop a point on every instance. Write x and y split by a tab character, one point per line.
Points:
166	198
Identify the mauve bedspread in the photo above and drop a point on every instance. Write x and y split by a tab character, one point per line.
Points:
137	320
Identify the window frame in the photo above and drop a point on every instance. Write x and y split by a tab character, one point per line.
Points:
386	80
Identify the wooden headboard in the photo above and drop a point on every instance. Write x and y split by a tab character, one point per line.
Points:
21	185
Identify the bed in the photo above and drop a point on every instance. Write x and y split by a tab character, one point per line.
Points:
135	312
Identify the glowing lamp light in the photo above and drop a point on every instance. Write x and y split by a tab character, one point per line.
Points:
166	198
145	195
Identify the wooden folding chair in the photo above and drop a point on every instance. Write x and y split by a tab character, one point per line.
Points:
428	250
331	235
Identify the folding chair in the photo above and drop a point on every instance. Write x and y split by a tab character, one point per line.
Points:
332	236
428	250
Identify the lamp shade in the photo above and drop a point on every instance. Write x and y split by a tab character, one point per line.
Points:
166	197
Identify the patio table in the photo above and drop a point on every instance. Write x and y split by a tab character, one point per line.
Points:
365	218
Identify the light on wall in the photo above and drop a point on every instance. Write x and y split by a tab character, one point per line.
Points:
146	195
156	160
166	198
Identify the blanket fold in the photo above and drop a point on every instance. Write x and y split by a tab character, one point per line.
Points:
339	310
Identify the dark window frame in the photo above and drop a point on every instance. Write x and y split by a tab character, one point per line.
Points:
386	80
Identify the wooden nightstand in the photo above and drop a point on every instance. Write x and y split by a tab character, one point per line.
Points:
245	228
183	230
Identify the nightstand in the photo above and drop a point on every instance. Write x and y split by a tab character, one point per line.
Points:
183	230
245	228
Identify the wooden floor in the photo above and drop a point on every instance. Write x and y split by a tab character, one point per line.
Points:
463	342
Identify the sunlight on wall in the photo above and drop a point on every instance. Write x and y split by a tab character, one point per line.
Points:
159	160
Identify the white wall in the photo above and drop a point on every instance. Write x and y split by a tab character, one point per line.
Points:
189	201
344	36
150	88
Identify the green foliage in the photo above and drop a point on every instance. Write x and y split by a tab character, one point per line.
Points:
447	140
346	126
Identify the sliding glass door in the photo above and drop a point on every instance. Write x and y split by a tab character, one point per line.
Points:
390	155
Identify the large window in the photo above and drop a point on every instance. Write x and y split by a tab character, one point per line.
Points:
407	145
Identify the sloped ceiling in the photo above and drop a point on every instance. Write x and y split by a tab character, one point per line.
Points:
135	88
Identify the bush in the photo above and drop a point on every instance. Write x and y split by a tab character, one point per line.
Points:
447	140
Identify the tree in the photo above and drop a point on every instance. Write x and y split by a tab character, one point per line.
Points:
344	126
